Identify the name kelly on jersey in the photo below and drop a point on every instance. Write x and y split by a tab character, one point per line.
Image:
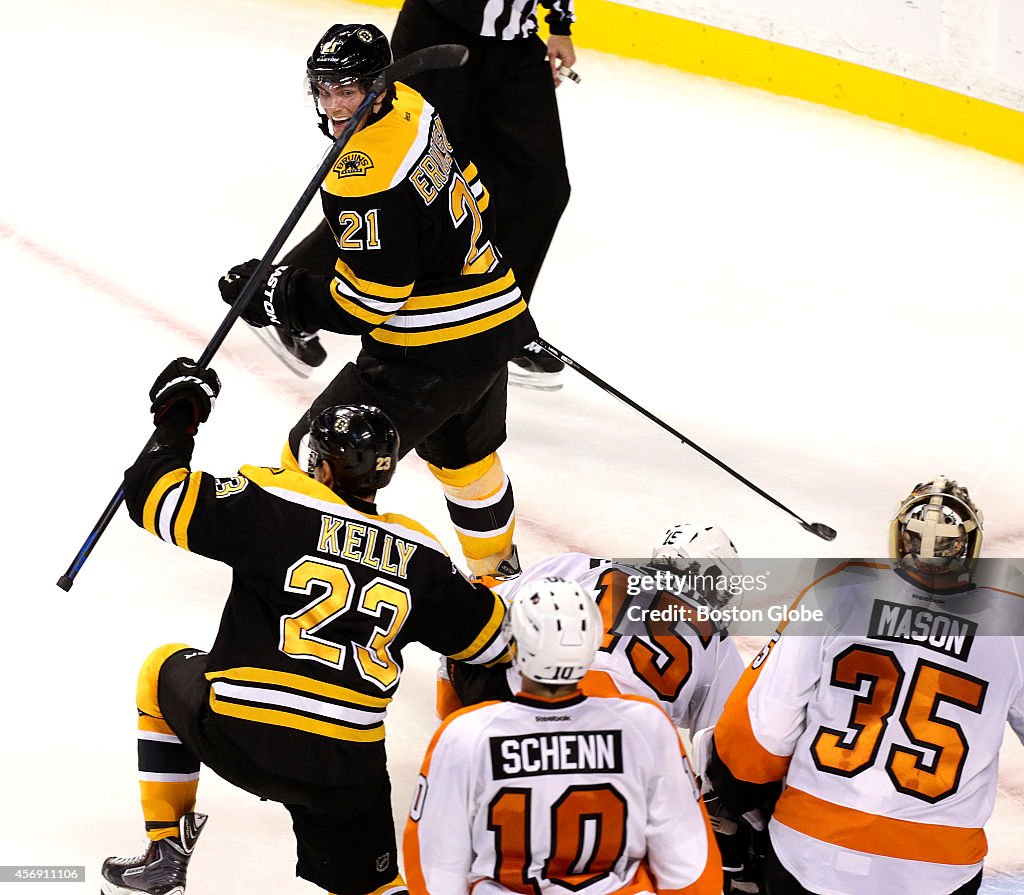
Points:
357	541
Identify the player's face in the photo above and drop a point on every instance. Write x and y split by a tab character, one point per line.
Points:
339	102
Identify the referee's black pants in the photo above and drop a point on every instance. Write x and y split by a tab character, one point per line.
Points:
499	111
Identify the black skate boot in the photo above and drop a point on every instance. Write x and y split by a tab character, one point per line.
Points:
303	346
509	567
298	351
535	368
160	870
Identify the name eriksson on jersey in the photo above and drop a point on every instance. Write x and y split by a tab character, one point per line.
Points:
532	755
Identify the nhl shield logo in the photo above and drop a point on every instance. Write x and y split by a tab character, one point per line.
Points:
383	862
353	164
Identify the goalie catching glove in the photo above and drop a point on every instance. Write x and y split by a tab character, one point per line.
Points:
269	304
184	387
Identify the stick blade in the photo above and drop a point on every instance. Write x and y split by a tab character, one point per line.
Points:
427	59
823	531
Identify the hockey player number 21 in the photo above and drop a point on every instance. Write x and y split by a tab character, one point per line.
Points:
373	659
930	768
588	836
462	205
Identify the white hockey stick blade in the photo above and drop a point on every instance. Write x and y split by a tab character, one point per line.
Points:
267	337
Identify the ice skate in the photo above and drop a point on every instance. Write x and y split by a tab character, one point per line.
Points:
298	351
535	368
160	870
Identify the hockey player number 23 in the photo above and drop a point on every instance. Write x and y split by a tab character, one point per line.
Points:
373	660
930	768
588	835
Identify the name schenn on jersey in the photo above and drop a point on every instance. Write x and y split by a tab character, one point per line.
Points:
556	753
938	631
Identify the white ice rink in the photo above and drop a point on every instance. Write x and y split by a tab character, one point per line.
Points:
830	305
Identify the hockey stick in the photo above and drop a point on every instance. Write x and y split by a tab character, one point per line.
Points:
427	59
823	531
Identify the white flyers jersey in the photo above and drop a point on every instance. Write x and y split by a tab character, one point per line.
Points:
543	796
687	667
885	721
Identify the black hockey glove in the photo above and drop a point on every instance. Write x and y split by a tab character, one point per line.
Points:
183	383
269	304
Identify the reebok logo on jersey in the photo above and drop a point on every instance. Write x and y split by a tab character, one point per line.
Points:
534	755
938	631
543	718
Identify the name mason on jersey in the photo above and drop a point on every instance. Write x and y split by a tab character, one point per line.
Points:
939	631
358	542
532	755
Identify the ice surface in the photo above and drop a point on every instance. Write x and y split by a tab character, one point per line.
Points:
829	305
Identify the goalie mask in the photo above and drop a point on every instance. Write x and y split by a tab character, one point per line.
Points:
702	555
936	529
557	629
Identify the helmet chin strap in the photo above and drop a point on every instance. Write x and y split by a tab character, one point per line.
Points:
325	122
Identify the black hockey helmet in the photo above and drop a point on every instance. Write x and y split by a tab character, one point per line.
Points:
359	442
349	53
346	54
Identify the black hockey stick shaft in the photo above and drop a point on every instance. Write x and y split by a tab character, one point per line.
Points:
823	531
427	59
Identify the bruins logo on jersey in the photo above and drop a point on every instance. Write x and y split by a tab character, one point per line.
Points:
353	164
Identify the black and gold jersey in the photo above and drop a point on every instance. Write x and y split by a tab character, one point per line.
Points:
324	596
419	274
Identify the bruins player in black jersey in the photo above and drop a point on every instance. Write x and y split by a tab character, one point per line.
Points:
419	277
289	703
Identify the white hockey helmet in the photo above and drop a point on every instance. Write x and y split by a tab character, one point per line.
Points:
557	629
704	553
936	529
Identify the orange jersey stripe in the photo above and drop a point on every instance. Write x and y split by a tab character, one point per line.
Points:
877	835
410	839
711	879
599	683
448	701
736	743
